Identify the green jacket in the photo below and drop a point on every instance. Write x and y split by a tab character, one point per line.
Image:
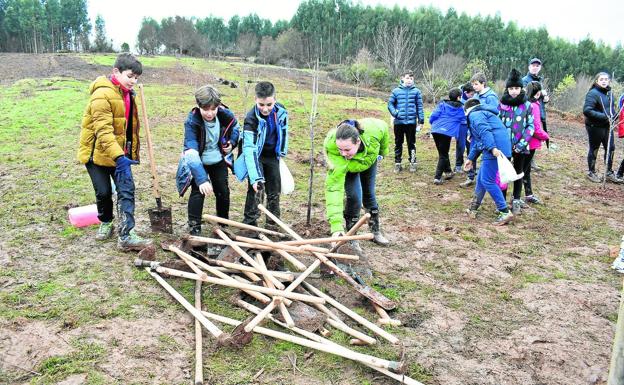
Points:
375	140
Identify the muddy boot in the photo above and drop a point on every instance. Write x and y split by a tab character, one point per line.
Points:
353	245
473	208
373	224
105	231
132	241
194	228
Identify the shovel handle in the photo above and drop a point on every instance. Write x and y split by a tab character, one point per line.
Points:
150	149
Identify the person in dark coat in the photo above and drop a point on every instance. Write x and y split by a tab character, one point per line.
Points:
446	121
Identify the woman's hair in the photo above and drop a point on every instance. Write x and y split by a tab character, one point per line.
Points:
349	129
598	75
455	94
532	88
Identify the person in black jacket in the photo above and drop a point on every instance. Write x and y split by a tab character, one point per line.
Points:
599	110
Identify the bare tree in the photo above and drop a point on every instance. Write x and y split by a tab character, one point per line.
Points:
396	47
445	73
247	44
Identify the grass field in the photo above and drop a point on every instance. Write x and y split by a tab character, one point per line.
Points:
530	303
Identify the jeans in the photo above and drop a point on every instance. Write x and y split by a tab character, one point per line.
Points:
101	180
461	145
443	144
519	163
360	190
598	136
401	132
218	174
269	166
486	182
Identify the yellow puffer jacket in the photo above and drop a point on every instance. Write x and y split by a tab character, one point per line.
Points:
103	132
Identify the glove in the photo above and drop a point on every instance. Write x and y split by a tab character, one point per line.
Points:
122	167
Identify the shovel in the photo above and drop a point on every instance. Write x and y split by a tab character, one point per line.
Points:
160	217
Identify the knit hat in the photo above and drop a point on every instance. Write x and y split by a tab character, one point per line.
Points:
514	79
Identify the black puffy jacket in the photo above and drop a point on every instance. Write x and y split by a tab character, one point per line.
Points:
599	107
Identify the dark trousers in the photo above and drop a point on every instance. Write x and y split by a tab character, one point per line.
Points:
402	132
461	145
599	136
218	174
545	128
101	179
269	166
443	144
360	191
526	179
519	163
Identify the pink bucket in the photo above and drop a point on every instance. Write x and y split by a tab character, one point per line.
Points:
83	216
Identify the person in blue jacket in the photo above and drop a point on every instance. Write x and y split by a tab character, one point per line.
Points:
406	106
446	121
211	132
265	141
491	138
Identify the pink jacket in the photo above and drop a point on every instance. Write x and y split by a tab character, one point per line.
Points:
540	135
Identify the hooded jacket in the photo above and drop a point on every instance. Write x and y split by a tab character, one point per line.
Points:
374	143
488	99
517	115
447	118
103	130
599	107
406	105
488	132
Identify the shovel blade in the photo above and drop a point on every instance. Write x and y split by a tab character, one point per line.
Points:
160	219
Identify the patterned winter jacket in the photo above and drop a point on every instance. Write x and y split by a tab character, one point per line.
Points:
516	114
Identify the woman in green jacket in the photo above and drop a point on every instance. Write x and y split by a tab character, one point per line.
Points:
353	150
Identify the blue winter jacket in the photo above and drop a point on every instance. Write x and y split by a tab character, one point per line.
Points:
599	107
536	78
406	105
489	100
254	135
190	164
488	132
447	118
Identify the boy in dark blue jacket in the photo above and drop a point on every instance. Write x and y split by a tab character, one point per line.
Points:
210	134
446	123
491	138
406	106
265	141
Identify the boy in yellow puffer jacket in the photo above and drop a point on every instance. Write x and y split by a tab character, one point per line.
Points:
109	145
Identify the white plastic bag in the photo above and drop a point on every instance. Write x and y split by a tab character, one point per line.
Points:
288	183
506	170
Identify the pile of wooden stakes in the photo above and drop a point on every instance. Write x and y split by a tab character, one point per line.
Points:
300	307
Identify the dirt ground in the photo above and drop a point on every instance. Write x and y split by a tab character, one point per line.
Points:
480	305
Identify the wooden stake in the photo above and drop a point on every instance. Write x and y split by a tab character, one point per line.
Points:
199	366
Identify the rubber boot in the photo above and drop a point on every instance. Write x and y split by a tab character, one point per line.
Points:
373	224
354	245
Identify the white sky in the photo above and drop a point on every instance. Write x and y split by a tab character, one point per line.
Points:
572	22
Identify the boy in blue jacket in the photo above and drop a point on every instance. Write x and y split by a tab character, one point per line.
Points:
489	102
406	106
211	132
446	123
265	141
491	138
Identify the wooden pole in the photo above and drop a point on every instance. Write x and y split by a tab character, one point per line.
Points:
616	370
199	366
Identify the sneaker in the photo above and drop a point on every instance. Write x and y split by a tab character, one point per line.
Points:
412	167
611	177
438	181
397	167
105	231
132	242
592	176
503	218
531	199
472	214
515	207
379	239
467	183
449	175
534	166
459	170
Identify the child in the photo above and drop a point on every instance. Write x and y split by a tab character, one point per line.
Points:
406	106
491	138
353	150
533	91
265	141
210	135
109	145
516	114
489	102
467	92
446	121
599	109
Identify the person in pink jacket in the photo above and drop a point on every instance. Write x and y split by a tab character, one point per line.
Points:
533	92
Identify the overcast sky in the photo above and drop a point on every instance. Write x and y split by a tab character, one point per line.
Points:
123	17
